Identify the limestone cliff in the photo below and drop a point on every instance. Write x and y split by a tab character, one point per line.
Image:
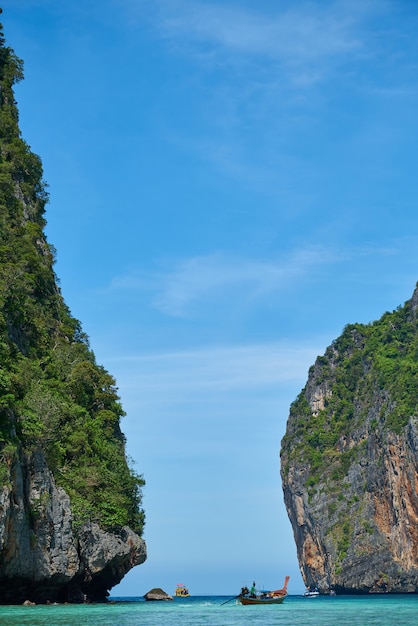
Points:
41	557
70	505
349	460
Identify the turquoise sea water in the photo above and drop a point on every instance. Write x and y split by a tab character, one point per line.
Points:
397	610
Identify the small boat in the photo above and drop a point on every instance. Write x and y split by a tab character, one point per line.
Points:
182	592
252	596
311	592
261	598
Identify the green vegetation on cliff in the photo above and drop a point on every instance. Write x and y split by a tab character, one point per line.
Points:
369	377
53	394
349	459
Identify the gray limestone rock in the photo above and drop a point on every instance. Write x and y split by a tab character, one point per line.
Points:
41	557
157	594
350	477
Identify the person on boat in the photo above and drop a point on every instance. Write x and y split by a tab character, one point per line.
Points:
252	590
245	591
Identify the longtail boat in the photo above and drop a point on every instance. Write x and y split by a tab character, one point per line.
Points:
264	597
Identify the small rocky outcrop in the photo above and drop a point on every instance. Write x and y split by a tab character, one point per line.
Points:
157	594
42	557
349	460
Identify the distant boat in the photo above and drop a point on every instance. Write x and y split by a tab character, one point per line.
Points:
311	592
261	598
247	597
182	592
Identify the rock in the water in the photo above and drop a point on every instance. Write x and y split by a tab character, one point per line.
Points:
157	594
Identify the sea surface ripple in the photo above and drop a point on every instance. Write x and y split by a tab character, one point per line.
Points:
384	610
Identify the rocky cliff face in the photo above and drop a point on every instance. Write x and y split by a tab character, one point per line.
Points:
349	460
70	504
41	558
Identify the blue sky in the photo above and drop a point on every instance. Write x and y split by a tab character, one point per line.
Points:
231	183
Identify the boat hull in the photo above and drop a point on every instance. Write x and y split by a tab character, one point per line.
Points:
247	600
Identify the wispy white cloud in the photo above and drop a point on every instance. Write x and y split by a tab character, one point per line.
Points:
184	286
256	64
219	368
225	384
199	279
299	33
306	37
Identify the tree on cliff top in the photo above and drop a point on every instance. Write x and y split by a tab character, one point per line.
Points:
53	394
